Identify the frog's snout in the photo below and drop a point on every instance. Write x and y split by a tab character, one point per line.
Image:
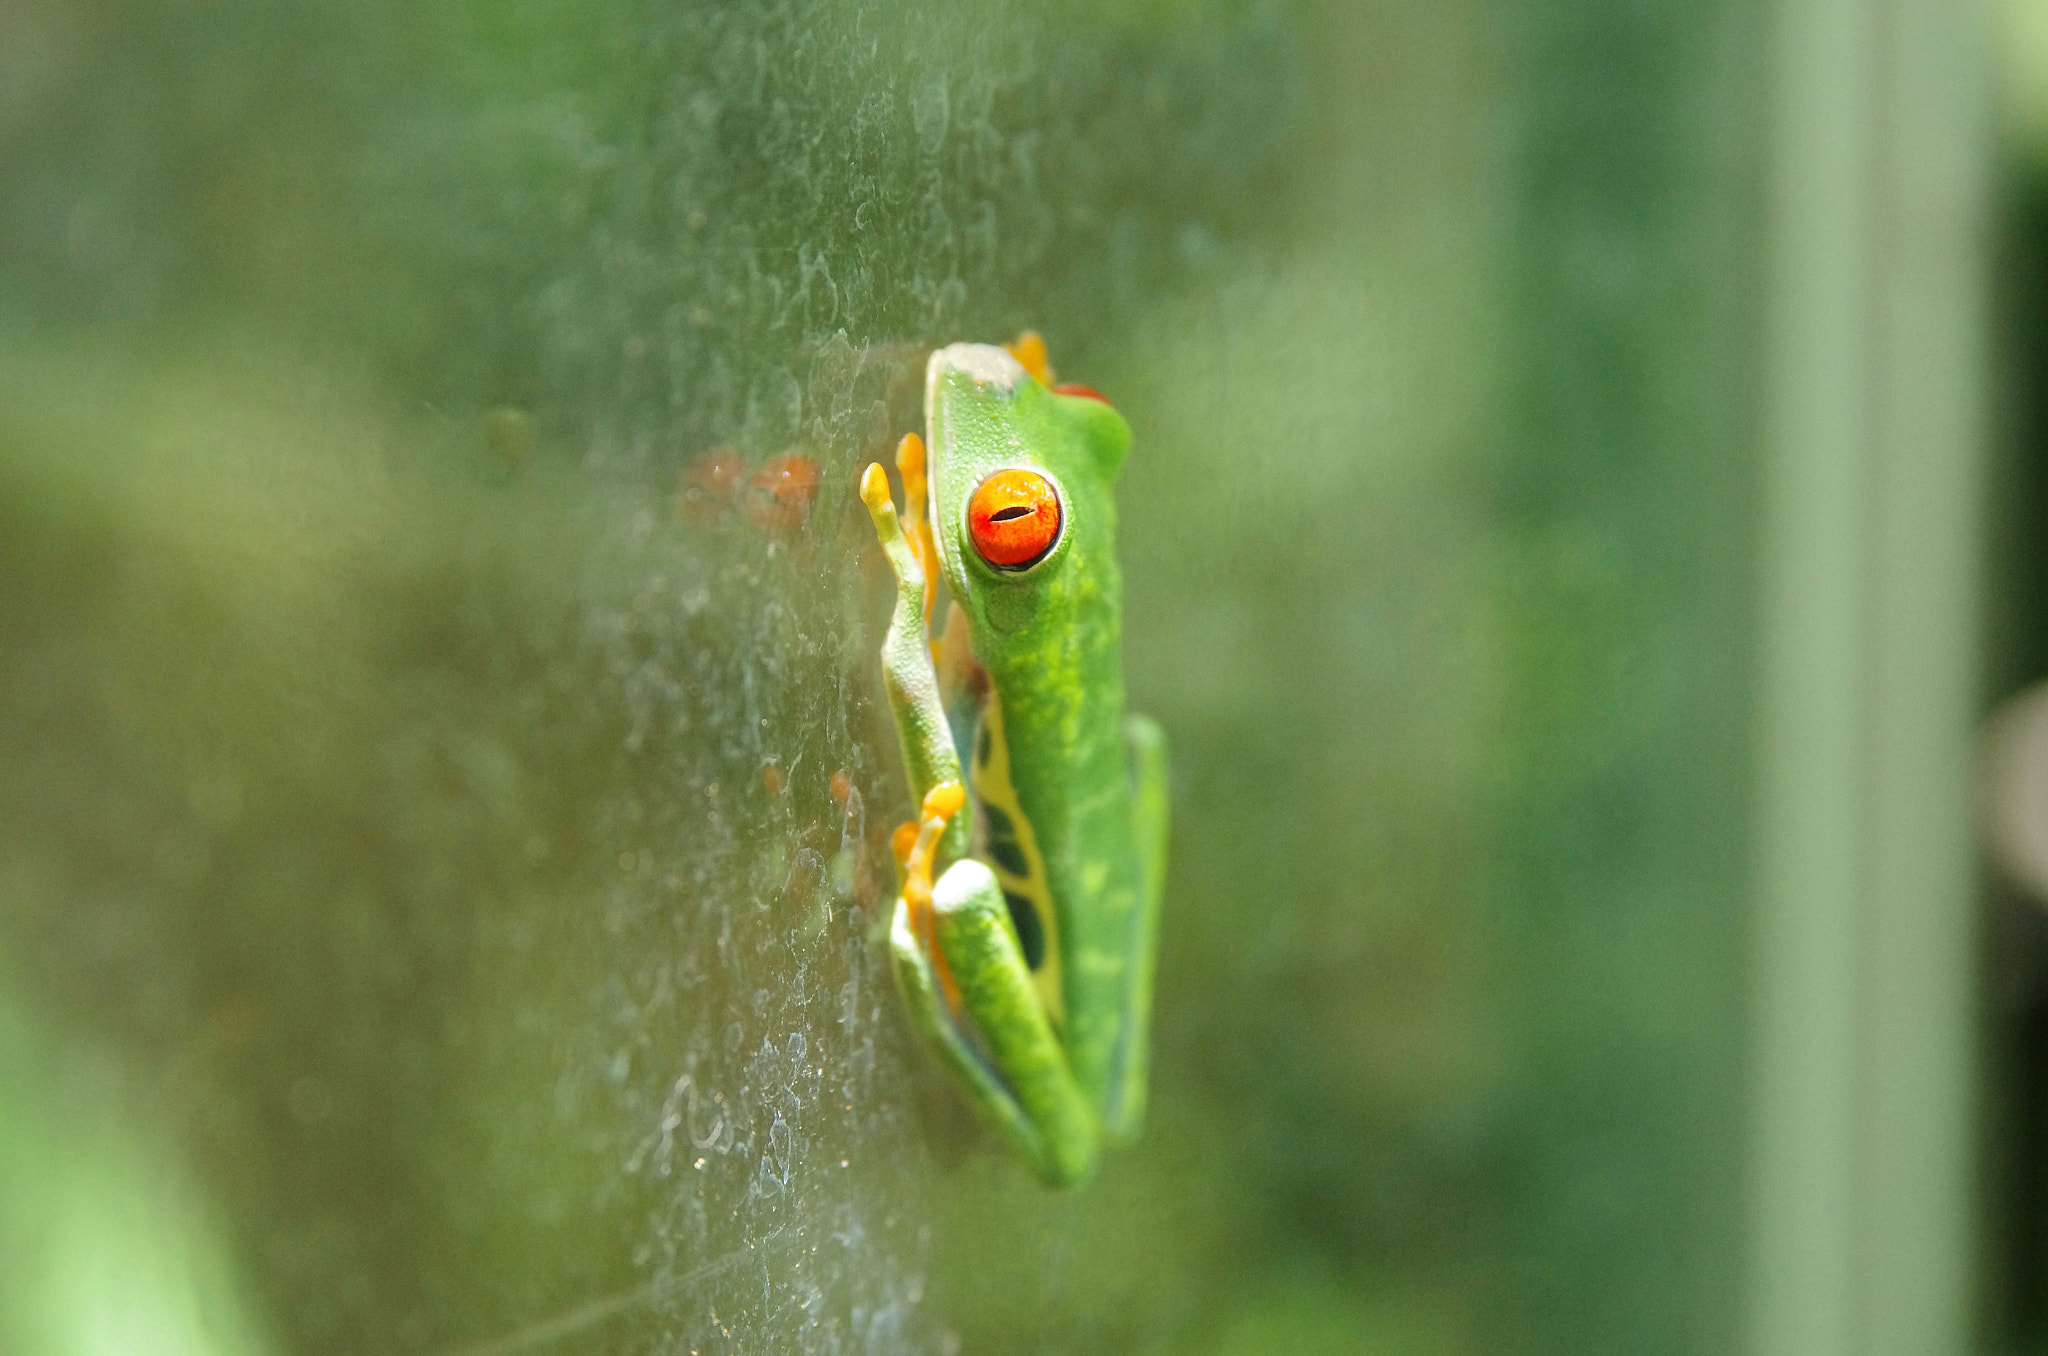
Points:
983	364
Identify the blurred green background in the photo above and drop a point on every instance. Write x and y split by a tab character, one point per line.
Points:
427	920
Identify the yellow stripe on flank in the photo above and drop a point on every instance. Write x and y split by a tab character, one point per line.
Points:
992	787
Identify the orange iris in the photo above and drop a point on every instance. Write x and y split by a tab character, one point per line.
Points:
1014	518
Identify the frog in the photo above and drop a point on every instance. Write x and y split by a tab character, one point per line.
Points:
1024	933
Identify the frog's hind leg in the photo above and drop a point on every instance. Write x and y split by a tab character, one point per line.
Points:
1124	1114
924	994
1034	1102
1054	1126
957	957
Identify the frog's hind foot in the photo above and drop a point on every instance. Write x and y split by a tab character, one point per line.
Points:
1028	348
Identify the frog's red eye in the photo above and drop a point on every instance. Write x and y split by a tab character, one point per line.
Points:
1075	388
1014	518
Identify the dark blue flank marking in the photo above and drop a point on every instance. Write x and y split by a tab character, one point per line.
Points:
1030	933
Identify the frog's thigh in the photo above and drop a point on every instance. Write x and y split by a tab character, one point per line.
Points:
923	996
1001	999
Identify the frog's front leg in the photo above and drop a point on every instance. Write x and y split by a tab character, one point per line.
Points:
929	756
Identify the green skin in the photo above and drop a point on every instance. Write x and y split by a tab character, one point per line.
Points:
1057	1060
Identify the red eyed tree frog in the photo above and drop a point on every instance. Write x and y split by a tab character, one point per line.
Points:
1024	935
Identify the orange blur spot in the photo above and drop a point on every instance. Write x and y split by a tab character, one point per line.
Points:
840	787
707	487
902	841
1028	349
1013	518
771	778
1075	388
780	495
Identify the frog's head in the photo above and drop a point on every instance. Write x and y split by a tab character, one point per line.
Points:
1021	497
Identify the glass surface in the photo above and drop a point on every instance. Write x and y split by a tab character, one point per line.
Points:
443	820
